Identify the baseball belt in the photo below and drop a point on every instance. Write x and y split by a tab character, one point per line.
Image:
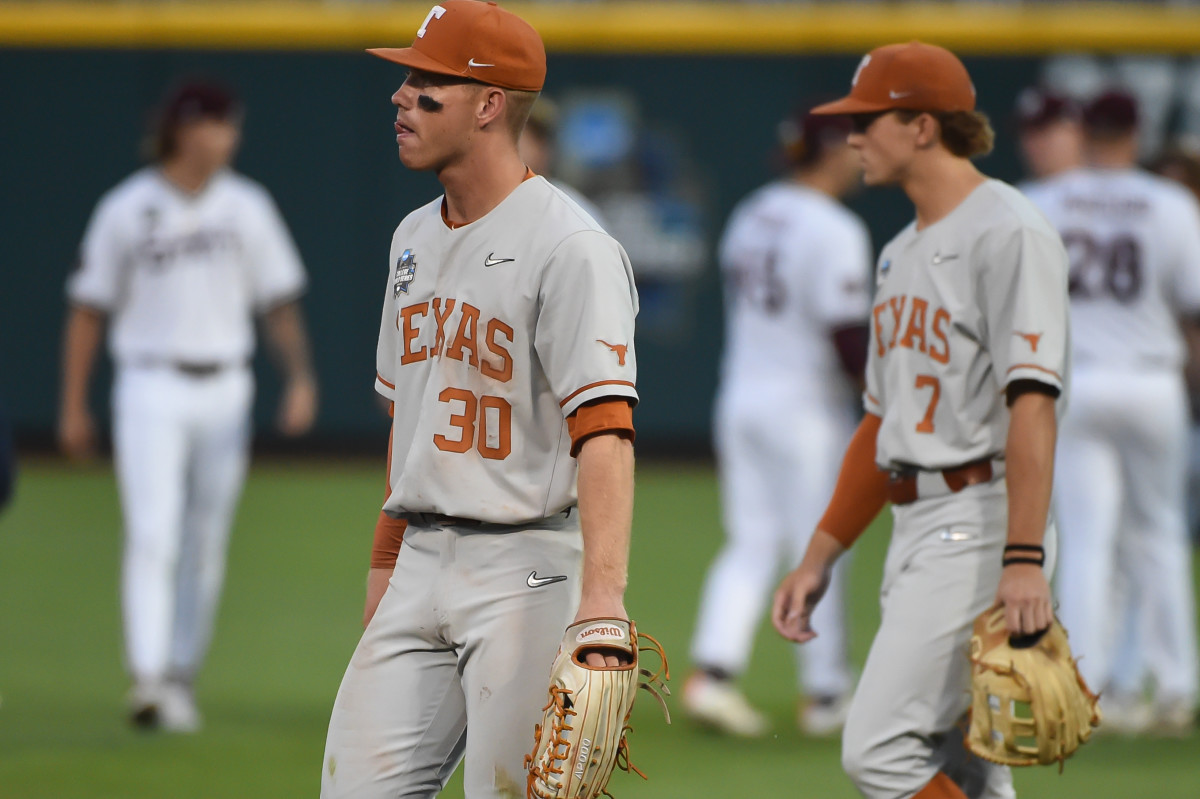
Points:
191	368
908	485
442	520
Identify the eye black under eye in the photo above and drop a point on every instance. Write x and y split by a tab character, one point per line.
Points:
860	122
427	103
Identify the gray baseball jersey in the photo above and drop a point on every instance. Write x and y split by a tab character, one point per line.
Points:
963	308
490	338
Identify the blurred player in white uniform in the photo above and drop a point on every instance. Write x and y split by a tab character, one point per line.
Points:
506	348
1134	243
1049	135
796	265
176	261
968	360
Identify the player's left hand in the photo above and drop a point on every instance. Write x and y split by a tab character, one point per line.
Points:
298	409
596	607
796	599
1024	593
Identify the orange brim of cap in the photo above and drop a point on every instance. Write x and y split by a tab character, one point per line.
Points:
410	57
850	105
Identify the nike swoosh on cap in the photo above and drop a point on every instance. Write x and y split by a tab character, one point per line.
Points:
474	63
898	95
533	581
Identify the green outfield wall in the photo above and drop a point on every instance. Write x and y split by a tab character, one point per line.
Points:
79	80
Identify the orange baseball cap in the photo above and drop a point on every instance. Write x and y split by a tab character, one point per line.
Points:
476	40
916	76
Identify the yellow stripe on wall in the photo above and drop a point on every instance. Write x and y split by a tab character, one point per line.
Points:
613	27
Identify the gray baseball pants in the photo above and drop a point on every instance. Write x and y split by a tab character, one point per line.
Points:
942	570
455	662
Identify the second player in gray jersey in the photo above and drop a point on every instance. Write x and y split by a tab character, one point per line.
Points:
506	348
966	372
796	265
1134	243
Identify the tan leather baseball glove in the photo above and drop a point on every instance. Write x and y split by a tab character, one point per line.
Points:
582	735
1029	704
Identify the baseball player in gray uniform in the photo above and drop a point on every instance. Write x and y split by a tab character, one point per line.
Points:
506	348
966	372
181	256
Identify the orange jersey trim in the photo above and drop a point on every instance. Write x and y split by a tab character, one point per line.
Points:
579	391
1050	372
613	415
379	377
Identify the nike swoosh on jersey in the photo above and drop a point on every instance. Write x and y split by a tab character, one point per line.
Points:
492	260
533	581
938	258
474	63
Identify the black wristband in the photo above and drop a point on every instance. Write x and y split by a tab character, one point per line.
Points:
1038	548
1018	559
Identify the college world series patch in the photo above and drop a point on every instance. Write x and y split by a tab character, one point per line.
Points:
406	271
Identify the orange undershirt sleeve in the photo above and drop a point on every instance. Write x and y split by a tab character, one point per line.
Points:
613	415
389	532
861	489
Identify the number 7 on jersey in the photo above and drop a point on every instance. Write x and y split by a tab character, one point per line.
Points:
929	381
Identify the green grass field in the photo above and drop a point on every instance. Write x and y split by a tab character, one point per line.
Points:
290	619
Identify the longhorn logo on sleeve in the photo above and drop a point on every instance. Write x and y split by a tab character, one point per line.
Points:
619	349
1031	338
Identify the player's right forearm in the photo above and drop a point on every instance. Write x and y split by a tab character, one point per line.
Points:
81	340
606	516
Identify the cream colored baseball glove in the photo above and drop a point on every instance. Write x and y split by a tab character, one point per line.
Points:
582	735
1029	704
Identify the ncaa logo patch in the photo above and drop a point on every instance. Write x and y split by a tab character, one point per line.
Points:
406	272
